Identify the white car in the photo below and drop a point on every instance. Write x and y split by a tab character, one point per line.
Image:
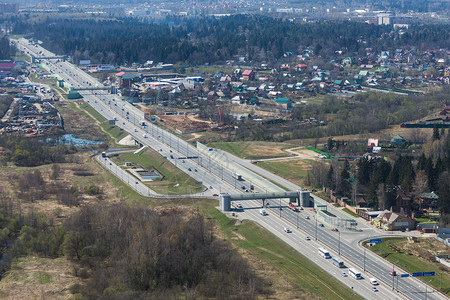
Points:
344	274
238	205
373	281
287	230
307	238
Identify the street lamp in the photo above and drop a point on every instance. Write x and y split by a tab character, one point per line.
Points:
339	244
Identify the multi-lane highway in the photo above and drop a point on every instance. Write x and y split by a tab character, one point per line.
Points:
214	169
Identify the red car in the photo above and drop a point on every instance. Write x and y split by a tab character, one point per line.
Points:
334	229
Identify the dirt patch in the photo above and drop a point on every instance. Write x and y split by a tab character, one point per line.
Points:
185	123
38	278
266	150
239	236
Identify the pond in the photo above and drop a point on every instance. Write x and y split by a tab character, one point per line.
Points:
70	139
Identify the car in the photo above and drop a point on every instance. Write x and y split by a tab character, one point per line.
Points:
182	161
334	229
252	187
393	273
189	169
135	130
373	281
210	187
344	274
374	289
170	151
145	136
238	205
320	225
307	217
246	190
287	230
307	238
215	195
267	203
243	187
300	207
195	170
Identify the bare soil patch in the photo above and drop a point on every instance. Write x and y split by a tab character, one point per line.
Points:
185	123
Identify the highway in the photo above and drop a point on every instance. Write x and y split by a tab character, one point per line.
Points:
214	169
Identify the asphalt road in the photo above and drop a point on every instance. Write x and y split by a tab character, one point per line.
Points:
215	169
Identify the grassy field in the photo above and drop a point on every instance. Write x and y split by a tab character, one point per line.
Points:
174	181
254	150
416	257
293	170
350	213
267	251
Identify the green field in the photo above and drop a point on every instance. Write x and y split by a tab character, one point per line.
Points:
392	250
265	246
254	150
293	170
174	181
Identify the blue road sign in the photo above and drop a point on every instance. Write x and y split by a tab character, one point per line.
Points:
417	274
375	240
404	275
429	273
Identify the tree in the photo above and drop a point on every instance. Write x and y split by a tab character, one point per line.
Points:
435	133
420	185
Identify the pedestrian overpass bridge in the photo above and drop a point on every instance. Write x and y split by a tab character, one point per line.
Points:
301	198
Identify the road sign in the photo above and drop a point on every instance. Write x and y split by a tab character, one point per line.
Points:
375	240
429	273
404	275
417	274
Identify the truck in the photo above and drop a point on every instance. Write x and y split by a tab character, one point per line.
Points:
293	207
237	176
142	122
262	212
104	154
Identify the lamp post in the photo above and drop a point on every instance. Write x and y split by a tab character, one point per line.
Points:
339	244
364	259
316	229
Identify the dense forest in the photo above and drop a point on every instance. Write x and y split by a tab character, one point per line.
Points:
211	40
135	253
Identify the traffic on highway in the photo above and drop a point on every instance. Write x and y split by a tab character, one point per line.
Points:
216	170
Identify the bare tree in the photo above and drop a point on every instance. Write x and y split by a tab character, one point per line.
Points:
420	185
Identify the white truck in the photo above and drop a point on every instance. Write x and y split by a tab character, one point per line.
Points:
262	212
237	176
142	122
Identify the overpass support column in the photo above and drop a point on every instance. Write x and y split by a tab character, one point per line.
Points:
225	202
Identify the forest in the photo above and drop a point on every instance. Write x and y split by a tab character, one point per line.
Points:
5	48
134	253
215	40
378	179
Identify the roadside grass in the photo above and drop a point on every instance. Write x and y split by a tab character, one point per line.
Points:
174	181
392	250
254	150
316	99
262	245
114	133
293	170
350	212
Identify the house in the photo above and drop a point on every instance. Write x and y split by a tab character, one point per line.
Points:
389	221
397	141
301	67
429	200
427	228
248	75
285	103
7	67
